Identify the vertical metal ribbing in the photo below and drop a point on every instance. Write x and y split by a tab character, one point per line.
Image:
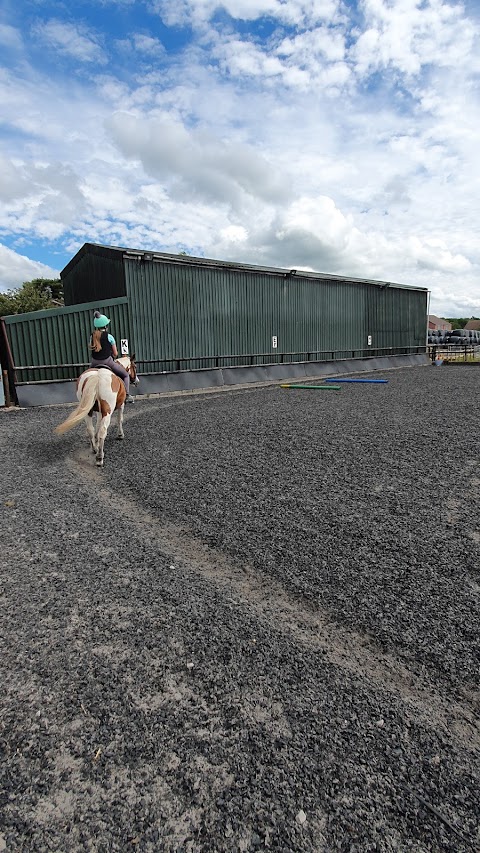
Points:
59	337
188	311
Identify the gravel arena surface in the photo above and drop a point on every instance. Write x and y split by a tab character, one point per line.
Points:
255	629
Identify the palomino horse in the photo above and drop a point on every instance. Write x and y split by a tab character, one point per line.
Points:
102	391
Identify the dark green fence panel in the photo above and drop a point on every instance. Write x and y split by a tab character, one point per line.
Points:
60	337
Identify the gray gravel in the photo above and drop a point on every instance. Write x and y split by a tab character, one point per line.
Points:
255	629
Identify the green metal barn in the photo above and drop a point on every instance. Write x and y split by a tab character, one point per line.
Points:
182	313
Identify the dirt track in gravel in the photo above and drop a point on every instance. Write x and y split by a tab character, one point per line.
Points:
264	608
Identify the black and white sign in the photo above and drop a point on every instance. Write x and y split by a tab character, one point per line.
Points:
124	346
274	342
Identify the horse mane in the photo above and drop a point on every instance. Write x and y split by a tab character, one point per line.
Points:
125	358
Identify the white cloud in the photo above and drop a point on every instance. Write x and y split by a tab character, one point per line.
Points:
10	37
406	35
448	302
38	197
16	268
309	62
13	181
194	163
71	40
141	43
310	233
234	234
435	255
319	219
293	13
147	44
241	57
326	42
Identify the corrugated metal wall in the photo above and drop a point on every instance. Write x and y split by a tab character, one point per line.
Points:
398	317
184	310
60	336
175	309
95	273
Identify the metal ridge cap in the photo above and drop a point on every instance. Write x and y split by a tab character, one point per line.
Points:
212	263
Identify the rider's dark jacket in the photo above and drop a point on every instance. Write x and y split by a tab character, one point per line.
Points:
106	350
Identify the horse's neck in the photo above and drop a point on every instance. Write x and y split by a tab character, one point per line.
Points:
124	361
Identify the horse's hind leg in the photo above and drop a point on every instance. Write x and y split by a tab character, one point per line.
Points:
120	434
101	435
91	431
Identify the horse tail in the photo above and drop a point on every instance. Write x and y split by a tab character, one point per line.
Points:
87	401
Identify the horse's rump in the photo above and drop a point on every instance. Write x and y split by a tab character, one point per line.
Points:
114	389
88	396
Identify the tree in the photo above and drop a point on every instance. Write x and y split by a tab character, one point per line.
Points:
36	295
460	322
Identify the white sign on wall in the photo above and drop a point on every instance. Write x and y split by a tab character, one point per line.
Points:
124	346
369	340
274	342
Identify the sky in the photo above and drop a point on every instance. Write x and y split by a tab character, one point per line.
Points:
341	137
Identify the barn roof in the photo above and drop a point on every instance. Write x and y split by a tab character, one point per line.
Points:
116	252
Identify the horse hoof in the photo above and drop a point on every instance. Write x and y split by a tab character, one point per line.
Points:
99	463
120	437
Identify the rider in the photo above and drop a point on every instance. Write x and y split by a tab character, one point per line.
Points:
104	350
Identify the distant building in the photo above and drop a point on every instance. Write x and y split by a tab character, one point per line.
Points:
439	323
473	324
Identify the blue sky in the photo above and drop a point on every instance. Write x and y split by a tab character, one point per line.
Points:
316	134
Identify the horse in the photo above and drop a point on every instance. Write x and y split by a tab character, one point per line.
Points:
102	391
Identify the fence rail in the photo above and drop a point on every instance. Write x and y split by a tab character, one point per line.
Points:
454	352
57	372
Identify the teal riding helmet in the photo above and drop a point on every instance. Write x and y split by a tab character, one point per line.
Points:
100	321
